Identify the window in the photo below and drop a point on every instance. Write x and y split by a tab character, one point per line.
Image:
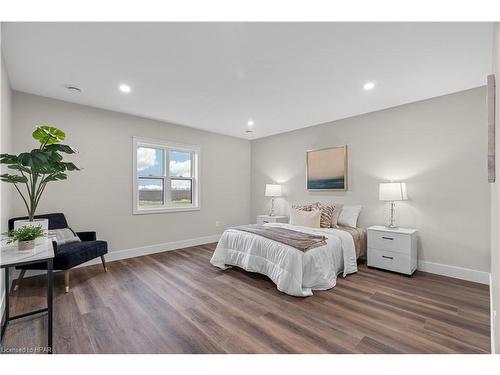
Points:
165	176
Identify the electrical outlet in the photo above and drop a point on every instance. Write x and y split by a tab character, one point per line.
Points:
217	223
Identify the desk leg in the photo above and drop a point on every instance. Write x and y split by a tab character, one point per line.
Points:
50	282
7	307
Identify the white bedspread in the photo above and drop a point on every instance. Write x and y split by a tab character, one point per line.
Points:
294	272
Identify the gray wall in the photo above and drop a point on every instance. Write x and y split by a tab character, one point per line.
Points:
495	204
438	146
100	196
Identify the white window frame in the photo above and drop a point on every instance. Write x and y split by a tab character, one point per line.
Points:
195	171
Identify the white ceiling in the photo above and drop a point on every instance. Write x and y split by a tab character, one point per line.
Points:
217	76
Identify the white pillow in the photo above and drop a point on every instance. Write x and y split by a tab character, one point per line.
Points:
349	216
64	236
305	218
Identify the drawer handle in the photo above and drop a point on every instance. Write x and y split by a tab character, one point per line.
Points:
388	238
264	221
386	257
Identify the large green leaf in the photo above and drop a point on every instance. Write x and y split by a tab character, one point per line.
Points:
60	148
8	159
56	177
71	167
19	167
46	169
13	179
54	156
36	159
56	167
48	134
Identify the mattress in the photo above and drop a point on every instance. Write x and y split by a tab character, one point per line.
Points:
293	271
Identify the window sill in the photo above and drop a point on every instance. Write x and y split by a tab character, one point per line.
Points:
147	211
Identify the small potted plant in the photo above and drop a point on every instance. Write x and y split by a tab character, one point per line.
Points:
25	236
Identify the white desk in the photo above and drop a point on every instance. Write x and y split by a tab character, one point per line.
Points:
10	256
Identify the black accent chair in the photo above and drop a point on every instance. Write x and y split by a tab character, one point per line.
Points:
68	255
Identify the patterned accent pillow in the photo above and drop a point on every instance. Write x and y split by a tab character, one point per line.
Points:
327	211
336	213
303	207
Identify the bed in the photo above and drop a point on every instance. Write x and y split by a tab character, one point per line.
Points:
294	272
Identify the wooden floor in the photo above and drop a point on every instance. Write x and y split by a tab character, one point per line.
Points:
176	302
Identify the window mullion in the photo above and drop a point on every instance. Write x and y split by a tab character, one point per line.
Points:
194	178
166	178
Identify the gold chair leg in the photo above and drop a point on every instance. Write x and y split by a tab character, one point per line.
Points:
19	279
66	281
104	263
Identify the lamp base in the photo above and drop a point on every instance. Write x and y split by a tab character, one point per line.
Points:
271	212
392	221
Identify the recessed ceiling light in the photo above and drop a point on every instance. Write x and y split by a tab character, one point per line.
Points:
250	123
125	88
73	88
368	86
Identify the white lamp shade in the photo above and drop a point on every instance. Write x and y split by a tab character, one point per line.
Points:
393	191
273	190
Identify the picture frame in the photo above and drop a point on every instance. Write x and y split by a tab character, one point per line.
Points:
326	169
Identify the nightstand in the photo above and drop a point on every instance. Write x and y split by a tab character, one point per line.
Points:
263	219
393	249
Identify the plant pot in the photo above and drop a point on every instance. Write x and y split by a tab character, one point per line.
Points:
44	223
26	245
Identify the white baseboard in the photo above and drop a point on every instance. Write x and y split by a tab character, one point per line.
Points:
135	252
152	249
454	271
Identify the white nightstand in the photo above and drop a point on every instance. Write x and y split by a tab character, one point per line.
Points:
392	249
262	219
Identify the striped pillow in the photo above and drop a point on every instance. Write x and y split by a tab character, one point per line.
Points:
327	212
303	207
336	213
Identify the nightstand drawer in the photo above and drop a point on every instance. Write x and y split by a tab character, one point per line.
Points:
389	260
397	242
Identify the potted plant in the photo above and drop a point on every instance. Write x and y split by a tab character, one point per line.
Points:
25	236
36	168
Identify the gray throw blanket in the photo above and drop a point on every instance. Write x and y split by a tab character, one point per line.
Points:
299	240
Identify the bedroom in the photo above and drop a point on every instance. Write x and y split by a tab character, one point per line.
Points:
249	187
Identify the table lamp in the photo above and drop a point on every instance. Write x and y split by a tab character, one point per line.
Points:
392	191
273	191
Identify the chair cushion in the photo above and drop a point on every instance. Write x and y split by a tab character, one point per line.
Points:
73	254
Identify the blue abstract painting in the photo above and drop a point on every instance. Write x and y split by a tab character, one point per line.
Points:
327	168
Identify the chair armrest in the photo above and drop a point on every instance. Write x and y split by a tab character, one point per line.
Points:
86	236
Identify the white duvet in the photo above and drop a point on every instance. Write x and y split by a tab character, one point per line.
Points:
294	272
